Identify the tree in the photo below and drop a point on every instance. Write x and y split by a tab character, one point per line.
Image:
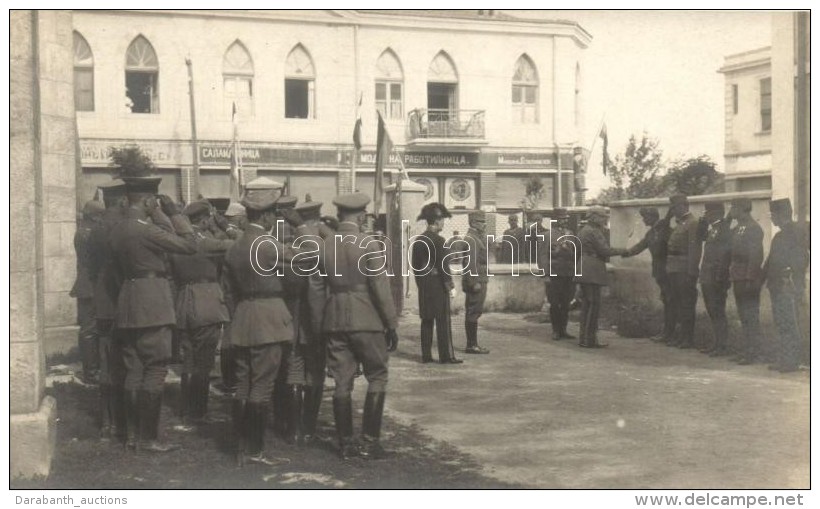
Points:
637	173
533	192
693	176
131	161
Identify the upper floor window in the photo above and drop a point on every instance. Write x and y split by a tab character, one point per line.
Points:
83	75
525	92
237	77
442	88
766	104
300	84
389	85
141	77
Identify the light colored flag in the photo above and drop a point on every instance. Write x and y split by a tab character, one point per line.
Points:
236	159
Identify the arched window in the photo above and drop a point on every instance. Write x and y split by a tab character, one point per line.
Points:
525	92
237	74
442	87
83	75
300	84
389	85
141	77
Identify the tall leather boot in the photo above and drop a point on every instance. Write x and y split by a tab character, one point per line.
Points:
150	408
281	402
426	341
131	412
296	407
343	417
184	396
257	415
118	427
227	366
239	410
310	413
106	412
200	388
471	329
372	425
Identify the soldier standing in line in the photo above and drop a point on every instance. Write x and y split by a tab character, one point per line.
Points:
474	279
201	311
83	291
360	325
560	259
237	220
656	240
714	273
682	265
262	325
785	275
106	290
595	254
145	308
746	276
435	285
514	235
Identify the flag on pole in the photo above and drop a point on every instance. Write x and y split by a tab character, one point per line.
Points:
357	129
236	159
384	146
604	137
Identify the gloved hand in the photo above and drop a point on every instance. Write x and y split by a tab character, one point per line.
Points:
392	340
168	206
292	217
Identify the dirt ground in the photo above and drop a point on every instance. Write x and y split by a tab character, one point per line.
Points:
532	413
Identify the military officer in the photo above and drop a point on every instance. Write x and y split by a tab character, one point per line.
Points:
745	273
360	326
261	326
474	279
201	311
237	220
83	291
785	274
145	307
684	250
435	285
533	236
512	242
596	252
714	273
235	214
656	240
559	264
106	290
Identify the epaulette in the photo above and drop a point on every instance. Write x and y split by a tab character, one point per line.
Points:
142	221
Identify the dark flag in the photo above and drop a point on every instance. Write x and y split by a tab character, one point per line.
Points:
357	129
604	137
384	146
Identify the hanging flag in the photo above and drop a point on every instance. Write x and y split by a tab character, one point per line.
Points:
604	137
384	146
236	163
357	129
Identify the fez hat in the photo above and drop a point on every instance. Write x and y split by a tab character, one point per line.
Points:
478	215
560	213
783	205
112	189
196	209
678	199
715	205
142	185
599	211
260	200
351	202
744	204
263	183
309	207
220	204
286	202
235	209
649	212
93	208
433	211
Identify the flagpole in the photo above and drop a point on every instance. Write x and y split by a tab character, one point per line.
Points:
195	152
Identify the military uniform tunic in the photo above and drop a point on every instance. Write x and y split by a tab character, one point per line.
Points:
685	247
656	241
714	277
474	280
745	273
559	260
595	254
83	291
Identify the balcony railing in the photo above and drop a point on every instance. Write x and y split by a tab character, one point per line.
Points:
427	123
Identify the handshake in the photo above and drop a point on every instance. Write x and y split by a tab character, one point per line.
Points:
623	253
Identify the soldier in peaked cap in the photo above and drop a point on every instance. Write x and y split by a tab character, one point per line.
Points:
200	310
262	325
475	278
596	253
263	184
785	274
714	272
435	285
237	219
656	240
145	309
559	262
106	287
513	242
684	250
746	275
359	323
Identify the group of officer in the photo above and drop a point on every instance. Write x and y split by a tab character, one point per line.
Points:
216	273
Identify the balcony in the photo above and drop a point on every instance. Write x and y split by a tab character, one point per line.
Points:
445	127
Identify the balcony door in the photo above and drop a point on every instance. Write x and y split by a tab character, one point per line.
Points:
442	106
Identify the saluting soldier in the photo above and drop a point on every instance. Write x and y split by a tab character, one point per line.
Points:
201	311
656	240
785	274
559	263
596	252
262	326
359	323
145	308
685	247
83	291
474	279
714	273
746	275
104	277
435	285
